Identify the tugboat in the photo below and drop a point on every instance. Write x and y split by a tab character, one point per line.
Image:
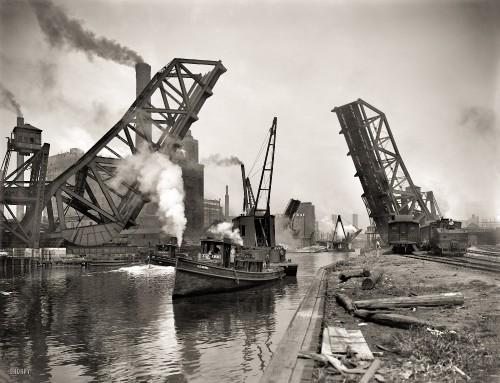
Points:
165	254
219	269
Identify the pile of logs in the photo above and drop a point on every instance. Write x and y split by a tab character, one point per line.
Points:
371	278
376	310
364	309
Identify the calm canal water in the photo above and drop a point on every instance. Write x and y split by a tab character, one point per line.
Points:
113	325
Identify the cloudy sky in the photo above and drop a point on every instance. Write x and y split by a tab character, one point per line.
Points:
430	66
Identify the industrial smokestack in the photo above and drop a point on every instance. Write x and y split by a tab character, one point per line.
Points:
142	78
20	178
226	203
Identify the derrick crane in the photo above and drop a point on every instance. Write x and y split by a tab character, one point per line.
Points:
257	211
159	118
248	197
388	189
347	237
264	226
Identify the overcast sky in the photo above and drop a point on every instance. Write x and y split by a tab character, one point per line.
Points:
430	66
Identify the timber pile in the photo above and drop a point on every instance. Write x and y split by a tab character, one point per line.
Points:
371	309
346	275
365	308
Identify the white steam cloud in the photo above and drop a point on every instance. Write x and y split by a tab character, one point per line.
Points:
64	31
330	227
285	237
161	179
225	230
217	160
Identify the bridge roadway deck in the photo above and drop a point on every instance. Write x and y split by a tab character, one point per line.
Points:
302	334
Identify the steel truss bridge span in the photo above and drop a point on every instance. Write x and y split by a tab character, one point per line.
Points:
388	189
158	119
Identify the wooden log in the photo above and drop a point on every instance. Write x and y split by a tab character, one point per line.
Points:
370	372
345	275
394	320
345	302
422	300
370	282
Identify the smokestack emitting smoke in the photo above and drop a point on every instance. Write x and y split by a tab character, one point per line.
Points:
217	160
225	230
8	101
162	180
226	203
64	31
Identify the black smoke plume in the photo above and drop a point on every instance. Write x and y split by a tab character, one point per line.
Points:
8	101
217	160
61	31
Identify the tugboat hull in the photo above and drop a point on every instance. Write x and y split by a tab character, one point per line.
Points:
199	278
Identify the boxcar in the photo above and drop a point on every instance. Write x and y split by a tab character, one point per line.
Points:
403	233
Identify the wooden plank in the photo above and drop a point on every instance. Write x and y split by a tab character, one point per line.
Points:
339	340
358	344
342	340
371	371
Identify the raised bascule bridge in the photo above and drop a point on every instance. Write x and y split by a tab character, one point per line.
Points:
388	189
166	106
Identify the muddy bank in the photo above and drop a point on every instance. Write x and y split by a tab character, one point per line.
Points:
468	350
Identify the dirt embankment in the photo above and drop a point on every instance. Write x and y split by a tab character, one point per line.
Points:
470	344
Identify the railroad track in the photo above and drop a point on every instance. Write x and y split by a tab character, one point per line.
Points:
468	262
484	252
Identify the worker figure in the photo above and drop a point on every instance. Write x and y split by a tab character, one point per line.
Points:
267	260
377	246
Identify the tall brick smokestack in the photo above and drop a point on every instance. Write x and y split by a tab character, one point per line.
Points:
20	178
226	204
142	78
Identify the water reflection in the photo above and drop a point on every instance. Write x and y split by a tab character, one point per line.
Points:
235	329
99	325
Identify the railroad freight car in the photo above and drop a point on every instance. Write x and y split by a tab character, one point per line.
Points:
403	234
444	236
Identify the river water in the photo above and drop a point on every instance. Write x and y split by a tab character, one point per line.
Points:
120	325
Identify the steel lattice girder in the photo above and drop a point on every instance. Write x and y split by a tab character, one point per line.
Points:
169	104
387	185
27	193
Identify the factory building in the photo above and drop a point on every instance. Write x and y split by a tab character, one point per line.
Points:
305	224
212	212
